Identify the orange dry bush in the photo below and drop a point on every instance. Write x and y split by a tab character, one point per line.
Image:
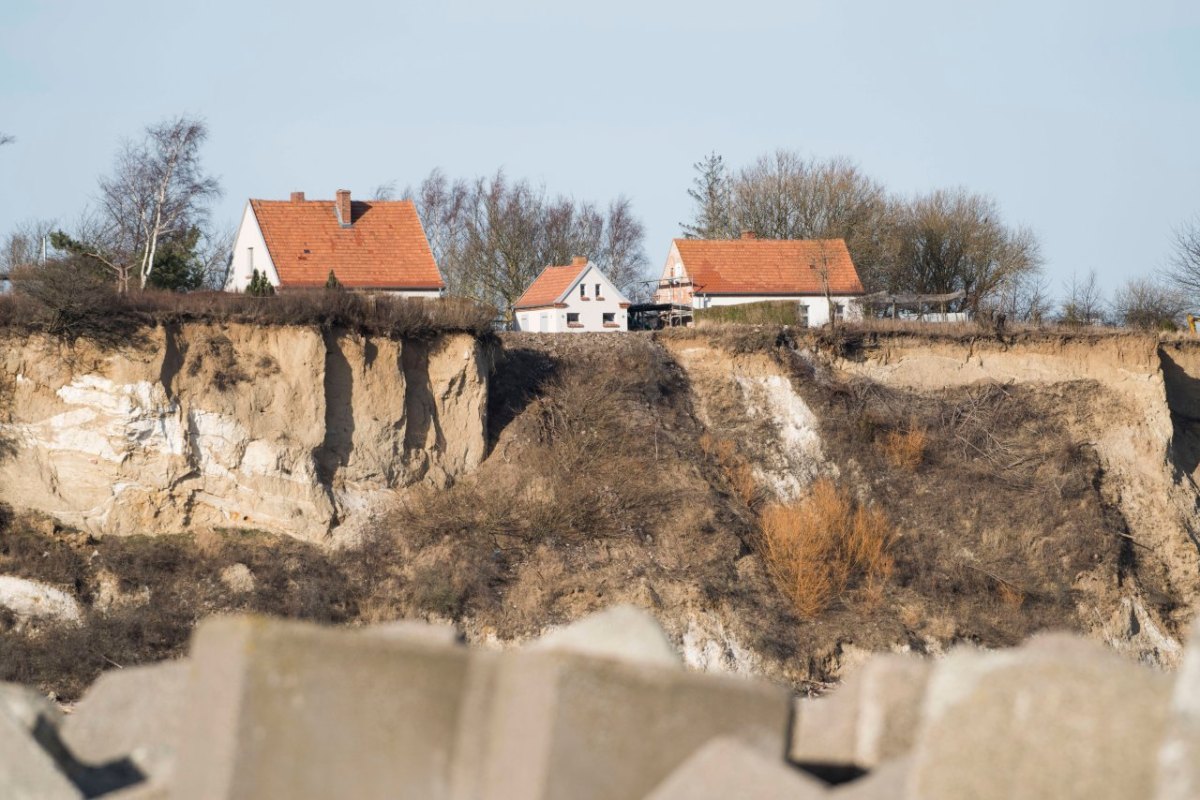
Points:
823	544
905	450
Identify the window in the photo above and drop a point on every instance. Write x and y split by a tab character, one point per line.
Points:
802	315
573	320
598	295
583	291
839	312
610	320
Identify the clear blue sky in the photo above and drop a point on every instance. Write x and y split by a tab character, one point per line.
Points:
1081	118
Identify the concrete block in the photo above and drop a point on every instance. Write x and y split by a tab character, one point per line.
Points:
27	706
561	725
286	709
434	633
27	770
1060	718
622	632
1179	753
133	712
869	719
885	782
33	758
726	768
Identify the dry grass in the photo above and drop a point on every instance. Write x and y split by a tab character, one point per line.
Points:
905	449
824	544
734	467
63	308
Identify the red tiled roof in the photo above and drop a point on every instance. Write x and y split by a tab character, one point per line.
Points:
767	266
384	248
549	286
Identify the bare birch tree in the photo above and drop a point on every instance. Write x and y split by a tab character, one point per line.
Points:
158	191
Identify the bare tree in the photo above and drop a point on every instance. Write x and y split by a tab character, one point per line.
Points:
384	191
954	240
492	236
26	245
1024	297
1084	303
1149	304
787	196
157	191
1184	271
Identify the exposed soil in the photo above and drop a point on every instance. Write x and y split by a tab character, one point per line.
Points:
634	468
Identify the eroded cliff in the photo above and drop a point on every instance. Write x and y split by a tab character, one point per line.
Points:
283	428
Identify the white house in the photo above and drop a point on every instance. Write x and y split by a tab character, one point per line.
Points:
574	298
701	273
376	246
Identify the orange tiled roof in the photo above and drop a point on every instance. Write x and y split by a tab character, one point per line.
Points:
549	286
384	248
767	266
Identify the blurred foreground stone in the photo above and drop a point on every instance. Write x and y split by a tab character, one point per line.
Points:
598	710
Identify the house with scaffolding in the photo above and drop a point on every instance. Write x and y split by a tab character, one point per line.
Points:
817	274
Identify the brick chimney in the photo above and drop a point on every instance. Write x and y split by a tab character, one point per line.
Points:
343	207
749	235
297	197
579	261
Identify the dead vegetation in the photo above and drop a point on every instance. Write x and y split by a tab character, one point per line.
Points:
969	514
824	545
60	302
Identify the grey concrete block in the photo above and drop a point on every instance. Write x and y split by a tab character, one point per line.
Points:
435	633
562	725
869	719
133	712
887	781
1179	753
726	768
622	632
292	710
1061	718
27	770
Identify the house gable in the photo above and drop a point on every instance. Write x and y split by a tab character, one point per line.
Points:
250	253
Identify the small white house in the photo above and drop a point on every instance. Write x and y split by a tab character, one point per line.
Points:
574	298
701	273
375	246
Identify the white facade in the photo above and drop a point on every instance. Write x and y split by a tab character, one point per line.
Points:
249	253
591	304
816	305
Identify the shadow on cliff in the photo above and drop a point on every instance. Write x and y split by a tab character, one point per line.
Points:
335	449
519	376
420	408
1183	399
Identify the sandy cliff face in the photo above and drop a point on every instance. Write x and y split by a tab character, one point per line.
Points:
286	429
1143	421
